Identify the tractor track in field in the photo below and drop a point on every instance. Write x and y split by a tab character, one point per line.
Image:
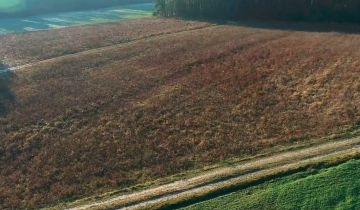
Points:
220	178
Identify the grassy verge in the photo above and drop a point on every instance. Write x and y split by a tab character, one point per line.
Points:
242	183
334	188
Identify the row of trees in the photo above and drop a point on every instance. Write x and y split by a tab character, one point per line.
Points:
329	10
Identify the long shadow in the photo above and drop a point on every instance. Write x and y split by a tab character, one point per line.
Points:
306	26
349	28
6	95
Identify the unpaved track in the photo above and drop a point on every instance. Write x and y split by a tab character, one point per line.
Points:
222	177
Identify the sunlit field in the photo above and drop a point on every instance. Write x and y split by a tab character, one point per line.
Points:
109	107
66	19
173	90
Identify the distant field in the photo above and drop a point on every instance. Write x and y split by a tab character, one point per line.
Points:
334	188
67	19
18	49
163	96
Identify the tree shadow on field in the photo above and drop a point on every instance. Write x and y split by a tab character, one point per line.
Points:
291	25
6	95
350	28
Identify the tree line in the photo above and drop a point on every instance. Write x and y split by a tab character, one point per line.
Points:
318	10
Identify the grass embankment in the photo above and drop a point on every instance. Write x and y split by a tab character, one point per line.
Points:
334	188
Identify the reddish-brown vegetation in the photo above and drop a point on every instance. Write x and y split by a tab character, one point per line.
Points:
24	48
127	114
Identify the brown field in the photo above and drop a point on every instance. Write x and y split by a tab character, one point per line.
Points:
189	95
25	48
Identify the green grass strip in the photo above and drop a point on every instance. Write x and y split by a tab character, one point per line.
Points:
334	188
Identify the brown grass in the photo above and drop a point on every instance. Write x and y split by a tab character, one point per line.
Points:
17	49
127	114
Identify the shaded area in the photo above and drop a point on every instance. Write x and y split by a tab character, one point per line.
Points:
304	10
350	28
300	15
6	95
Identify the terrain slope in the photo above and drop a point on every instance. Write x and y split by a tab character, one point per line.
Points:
111	106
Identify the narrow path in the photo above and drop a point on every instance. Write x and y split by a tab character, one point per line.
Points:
223	177
240	179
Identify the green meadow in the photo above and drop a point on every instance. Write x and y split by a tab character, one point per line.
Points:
333	188
66	19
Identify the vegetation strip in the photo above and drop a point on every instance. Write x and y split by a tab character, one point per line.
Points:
223	178
309	189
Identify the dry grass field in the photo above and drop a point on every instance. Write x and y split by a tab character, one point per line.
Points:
188	95
25	48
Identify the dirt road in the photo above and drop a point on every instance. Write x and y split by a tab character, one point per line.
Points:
223	177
